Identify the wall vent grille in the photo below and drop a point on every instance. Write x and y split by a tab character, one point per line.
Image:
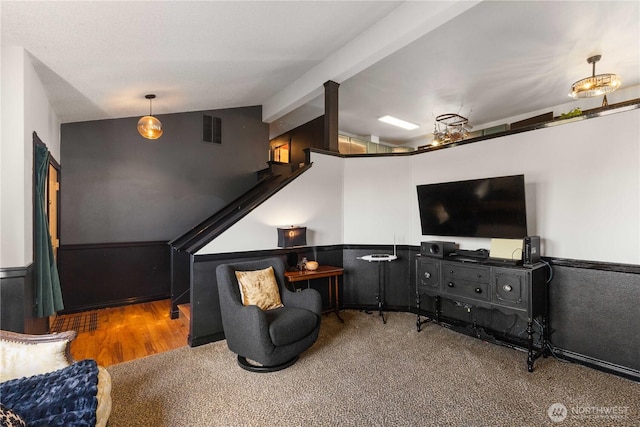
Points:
211	129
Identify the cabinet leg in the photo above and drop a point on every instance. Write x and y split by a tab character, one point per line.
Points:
545	338
418	321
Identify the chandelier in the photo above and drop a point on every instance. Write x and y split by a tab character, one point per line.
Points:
449	128
148	126
596	85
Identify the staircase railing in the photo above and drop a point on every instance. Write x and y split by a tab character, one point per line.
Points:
196	238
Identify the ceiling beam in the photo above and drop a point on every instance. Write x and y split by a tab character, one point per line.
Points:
408	22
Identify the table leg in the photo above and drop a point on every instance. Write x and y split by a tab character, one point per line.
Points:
337	298
381	291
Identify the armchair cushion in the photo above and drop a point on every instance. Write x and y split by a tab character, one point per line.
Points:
290	324
259	287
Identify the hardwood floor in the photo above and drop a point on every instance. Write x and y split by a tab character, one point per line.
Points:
131	332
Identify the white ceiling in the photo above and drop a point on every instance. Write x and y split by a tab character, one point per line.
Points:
487	60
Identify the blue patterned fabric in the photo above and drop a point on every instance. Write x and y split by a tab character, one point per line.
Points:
66	397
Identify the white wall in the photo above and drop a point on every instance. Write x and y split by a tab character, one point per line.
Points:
582	182
377	198
314	200
25	109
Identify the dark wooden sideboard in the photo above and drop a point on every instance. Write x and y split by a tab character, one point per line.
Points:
518	290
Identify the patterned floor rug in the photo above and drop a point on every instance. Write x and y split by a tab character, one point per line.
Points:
80	322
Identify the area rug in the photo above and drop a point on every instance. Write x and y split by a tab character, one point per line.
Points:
366	373
80	322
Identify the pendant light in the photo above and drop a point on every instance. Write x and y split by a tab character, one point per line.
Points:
148	126
596	85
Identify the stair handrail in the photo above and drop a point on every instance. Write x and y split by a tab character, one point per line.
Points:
200	235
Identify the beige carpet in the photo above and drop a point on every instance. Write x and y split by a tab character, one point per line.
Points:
365	373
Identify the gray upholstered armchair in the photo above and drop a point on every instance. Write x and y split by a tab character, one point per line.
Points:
270	339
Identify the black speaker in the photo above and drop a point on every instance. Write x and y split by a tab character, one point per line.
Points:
437	249
531	250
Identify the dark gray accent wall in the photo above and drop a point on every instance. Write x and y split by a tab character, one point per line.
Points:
120	187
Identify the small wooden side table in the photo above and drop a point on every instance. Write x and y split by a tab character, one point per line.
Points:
333	273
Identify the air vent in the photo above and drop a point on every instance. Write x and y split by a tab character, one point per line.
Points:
211	129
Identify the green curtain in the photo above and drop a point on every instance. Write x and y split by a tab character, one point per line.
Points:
48	294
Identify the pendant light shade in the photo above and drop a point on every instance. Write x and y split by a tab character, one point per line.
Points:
148	126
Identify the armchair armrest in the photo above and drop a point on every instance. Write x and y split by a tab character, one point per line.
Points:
24	355
245	326
309	299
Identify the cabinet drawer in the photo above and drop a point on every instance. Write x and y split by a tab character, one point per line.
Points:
468	289
427	274
510	288
479	274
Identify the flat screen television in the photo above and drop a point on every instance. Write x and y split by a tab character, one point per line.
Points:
489	207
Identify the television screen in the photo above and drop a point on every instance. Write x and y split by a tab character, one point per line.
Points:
490	207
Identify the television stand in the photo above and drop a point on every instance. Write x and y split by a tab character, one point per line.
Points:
510	289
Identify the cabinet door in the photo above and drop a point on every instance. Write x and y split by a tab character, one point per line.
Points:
427	275
510	287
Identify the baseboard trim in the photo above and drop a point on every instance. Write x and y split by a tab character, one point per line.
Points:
195	342
460	326
116	303
601	365
374	308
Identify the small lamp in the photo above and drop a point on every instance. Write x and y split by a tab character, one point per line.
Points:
289	238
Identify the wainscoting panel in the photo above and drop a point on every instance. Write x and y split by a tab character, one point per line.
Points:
17	311
106	275
361	286
595	313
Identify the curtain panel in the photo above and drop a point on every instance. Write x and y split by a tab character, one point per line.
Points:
48	293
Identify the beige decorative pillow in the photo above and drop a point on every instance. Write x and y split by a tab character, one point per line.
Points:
259	288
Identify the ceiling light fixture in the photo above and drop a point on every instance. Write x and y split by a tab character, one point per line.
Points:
596	85
399	122
148	126
449	127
